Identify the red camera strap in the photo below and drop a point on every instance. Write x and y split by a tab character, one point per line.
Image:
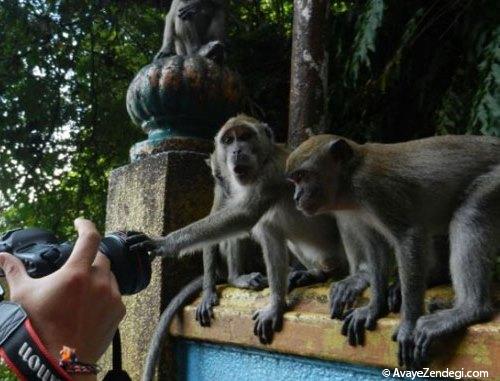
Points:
22	349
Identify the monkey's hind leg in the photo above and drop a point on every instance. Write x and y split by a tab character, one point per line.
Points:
438	274
474	241
365	318
270	318
209	299
243	255
394	296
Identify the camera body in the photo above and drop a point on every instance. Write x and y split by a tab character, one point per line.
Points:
42	254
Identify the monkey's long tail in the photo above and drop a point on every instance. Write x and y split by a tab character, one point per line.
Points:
189	291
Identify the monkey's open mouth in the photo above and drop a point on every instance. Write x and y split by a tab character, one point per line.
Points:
241	170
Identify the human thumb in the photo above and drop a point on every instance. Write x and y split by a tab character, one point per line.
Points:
14	270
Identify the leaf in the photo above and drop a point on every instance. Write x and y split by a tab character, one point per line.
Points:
485	111
364	41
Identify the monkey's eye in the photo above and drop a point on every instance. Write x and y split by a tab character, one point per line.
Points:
297	176
226	139
245	136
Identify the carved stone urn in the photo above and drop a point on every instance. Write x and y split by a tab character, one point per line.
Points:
180	97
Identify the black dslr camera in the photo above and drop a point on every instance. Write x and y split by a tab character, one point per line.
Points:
42	254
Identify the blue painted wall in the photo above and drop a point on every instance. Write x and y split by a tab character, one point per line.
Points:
198	361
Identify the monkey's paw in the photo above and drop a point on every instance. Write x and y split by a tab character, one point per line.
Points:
355	323
252	281
404	335
188	11
267	321
394	297
302	278
157	247
343	295
204	311
442	323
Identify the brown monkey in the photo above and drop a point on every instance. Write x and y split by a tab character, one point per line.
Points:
409	192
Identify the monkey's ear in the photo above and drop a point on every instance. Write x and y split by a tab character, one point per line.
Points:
269	133
208	162
340	149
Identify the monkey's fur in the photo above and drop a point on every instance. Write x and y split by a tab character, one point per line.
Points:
261	204
193	24
242	257
365	245
409	192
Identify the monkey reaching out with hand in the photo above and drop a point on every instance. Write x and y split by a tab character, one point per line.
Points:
259	202
408	193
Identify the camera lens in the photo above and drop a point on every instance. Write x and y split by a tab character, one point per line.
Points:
132	269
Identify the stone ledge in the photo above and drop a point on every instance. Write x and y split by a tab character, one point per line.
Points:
308	331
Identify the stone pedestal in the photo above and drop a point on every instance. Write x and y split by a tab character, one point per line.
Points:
158	194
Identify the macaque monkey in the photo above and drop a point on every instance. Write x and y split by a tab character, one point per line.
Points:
408	193
242	257
191	25
242	260
261	204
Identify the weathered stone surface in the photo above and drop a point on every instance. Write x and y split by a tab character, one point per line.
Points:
154	146
309	331
156	195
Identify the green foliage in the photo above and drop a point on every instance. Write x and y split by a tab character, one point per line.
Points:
64	69
364	41
422	69
6	374
485	113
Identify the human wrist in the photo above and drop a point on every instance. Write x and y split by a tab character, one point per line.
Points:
21	347
29	354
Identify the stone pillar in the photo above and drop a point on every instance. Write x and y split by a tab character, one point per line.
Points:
309	72
155	195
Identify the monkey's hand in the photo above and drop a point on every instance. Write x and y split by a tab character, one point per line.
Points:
188	11
405	338
252	281
267	321
204	311
355	323
394	297
344	293
160	247
302	278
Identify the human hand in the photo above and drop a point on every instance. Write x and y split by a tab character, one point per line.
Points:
78	306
